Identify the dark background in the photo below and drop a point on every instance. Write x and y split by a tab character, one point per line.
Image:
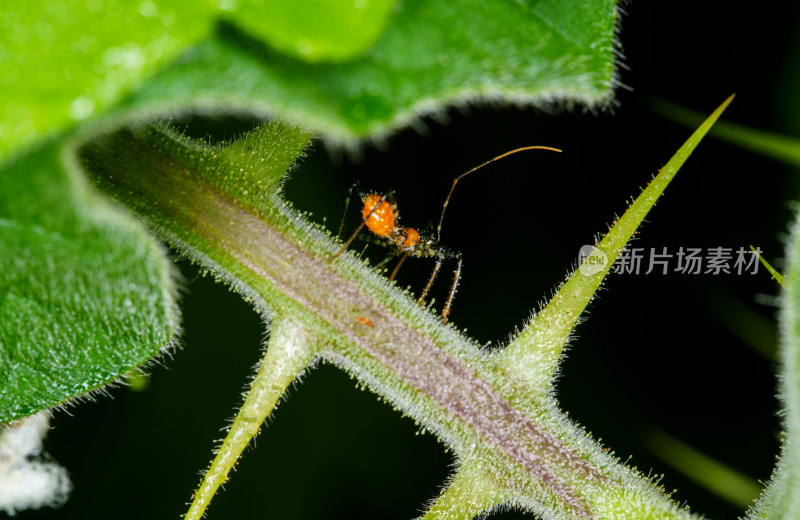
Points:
656	351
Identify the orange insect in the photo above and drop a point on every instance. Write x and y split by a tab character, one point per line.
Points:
365	321
381	216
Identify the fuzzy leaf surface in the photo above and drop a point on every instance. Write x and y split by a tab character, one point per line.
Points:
85	293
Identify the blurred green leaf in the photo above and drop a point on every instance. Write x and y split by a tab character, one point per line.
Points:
742	321
770	144
323	30
433	54
62	62
724	481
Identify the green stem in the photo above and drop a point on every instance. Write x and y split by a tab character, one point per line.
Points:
781	500
533	357
469	493
287	355
774	272
212	204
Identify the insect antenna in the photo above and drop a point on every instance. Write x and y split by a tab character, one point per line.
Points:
455	181
344	213
457	274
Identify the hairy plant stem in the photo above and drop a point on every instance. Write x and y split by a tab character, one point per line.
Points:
429	371
514	445
289	352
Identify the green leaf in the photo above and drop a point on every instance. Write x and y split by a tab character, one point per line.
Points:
62	62
85	295
433	53
721	479
742	321
322	30
769	144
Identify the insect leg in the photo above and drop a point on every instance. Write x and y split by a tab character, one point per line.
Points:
452	295
397	267
428	286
